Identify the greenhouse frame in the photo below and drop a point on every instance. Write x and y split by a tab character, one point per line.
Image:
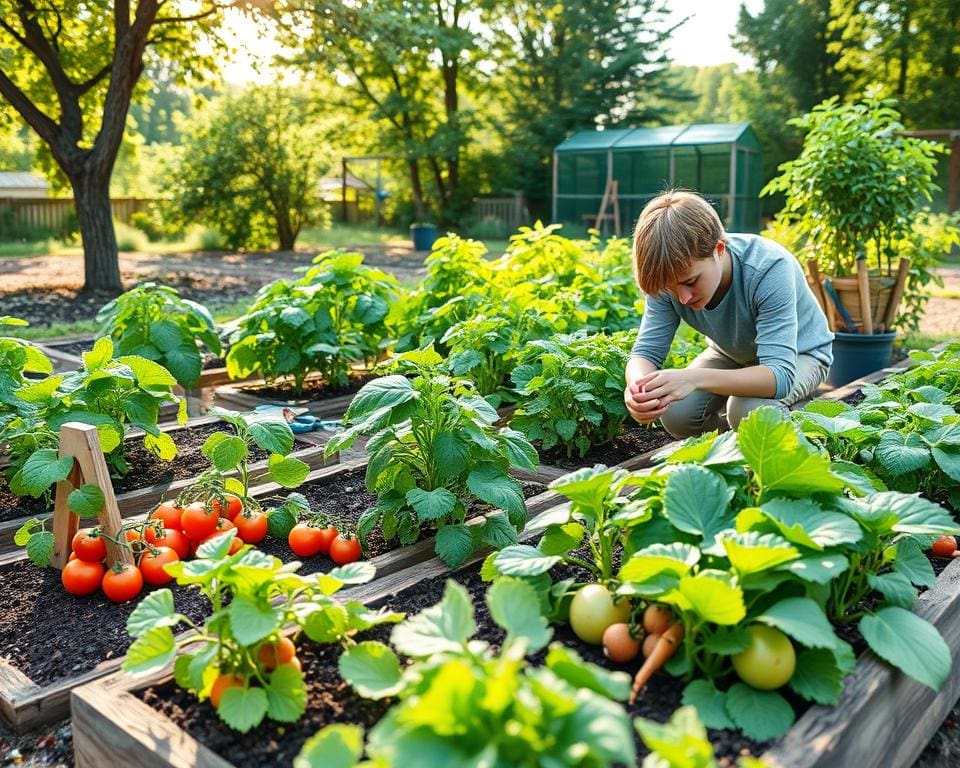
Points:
722	161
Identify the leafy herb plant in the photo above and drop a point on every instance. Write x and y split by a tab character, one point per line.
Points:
153	321
433	448
18	357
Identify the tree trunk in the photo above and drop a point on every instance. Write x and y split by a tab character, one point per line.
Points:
416	189
286	233
101	263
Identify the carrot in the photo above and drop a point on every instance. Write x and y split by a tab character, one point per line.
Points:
665	648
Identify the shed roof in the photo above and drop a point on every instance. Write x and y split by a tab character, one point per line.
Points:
335	183
661	136
22	180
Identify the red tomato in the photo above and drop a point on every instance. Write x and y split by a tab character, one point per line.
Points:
945	546
176	540
272	654
251	527
234	545
345	549
305	540
80	577
169	512
89	546
224	524
151	565
122	582
234	506
198	521
329	534
221	684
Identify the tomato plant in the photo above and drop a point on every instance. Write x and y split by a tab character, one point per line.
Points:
251	527
152	564
168	513
305	540
89	545
242	636
593	609
768	662
198	520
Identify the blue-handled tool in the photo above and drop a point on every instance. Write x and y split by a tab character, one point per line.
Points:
844	315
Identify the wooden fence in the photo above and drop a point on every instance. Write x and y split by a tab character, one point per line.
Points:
53	216
511	212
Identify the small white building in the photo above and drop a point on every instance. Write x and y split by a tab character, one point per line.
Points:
22	185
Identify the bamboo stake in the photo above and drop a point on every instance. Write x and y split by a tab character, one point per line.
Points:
891	314
863	285
819	293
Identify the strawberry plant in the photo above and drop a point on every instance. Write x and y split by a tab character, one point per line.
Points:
109	393
153	321
462	704
331	317
433	448
241	659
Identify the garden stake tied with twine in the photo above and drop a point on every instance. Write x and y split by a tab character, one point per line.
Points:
81	442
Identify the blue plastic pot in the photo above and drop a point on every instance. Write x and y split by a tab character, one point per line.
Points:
423	236
858	354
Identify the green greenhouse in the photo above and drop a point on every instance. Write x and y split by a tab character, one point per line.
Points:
720	160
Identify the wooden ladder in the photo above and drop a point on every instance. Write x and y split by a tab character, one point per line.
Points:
611	199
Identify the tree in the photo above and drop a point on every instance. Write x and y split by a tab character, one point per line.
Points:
573	65
405	62
70	69
251	168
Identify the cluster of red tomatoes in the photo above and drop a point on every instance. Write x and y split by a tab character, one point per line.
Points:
271	655
309	539
171	533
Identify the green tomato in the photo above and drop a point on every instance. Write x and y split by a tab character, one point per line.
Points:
592	610
770	660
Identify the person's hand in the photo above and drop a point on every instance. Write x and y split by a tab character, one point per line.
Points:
668	386
642	408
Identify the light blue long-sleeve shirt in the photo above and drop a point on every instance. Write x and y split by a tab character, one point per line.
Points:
768	316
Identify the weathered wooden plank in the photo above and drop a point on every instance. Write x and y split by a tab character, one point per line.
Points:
883	718
14	686
145	740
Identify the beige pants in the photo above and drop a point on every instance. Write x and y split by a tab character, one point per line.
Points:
704	411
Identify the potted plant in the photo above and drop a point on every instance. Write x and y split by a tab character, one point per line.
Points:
852	200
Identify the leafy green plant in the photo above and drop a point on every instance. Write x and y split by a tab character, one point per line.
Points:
433	448
109	393
18	357
331	317
571	389
854	191
255	599
558	714
682	743
153	321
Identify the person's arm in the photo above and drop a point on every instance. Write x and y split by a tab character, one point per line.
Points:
657	329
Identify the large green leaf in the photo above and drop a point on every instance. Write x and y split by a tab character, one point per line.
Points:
287	471
753	552
916	515
385	392
712	595
803	620
41	470
906	641
372	669
587	488
243	708
913	564
761	715
444	627
286	694
568	665
153	650
86	501
948	461
676	558
817	677
804	522
900	454
273	436
154	610
149	374
523	560
450	454
334	746
497	532
711	704
520	453
454	544
40	391
781	459
251	622
895	588
491	484
185	364
696	500
515	606
431	505
225	451
821	569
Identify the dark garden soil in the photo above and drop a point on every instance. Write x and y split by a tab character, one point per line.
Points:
146	470
854	399
49	634
632	441
313	389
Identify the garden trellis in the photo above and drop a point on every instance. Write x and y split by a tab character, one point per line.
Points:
720	160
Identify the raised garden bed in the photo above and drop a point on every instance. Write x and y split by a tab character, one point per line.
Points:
26	702
151	479
318	397
877	722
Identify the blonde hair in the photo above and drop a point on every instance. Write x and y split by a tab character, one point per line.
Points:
674	228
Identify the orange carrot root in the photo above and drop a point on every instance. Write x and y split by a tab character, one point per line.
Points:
665	648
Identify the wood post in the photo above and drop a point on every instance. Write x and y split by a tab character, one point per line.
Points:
863	285
894	303
81	442
819	293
